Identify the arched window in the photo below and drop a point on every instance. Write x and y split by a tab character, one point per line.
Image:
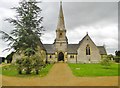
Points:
87	50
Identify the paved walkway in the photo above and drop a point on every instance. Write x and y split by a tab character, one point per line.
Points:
60	75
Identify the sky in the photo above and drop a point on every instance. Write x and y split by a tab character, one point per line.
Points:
99	19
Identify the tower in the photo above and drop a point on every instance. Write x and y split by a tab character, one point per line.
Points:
61	40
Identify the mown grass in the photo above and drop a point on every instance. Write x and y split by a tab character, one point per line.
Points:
11	70
93	70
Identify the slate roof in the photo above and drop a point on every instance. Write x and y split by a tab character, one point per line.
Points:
72	48
102	50
49	48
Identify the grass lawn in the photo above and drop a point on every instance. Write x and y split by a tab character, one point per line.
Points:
11	70
93	70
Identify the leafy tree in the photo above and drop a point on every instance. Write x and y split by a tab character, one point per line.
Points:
25	37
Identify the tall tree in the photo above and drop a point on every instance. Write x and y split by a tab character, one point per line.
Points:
28	27
25	37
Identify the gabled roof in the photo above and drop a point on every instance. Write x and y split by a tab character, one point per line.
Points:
102	50
84	38
50	48
72	48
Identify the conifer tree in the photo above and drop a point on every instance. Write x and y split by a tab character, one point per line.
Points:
25	36
27	27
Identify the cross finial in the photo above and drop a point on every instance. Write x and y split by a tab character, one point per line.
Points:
86	33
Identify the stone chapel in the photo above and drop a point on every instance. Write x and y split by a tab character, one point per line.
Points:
61	51
84	52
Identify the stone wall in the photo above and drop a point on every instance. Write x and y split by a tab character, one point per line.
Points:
71	58
51	58
61	46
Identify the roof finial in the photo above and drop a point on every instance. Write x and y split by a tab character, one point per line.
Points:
60	2
86	33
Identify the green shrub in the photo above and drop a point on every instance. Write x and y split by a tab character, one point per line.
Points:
117	59
28	64
106	62
37	63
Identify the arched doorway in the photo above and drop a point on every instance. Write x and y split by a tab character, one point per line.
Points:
60	56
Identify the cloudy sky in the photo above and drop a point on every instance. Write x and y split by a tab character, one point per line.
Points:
99	19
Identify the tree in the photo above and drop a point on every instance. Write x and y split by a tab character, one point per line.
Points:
28	28
117	57
25	37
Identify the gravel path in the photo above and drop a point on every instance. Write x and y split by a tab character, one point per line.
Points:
60	75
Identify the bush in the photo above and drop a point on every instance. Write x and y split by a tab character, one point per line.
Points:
28	64
19	67
37	63
117	59
106	62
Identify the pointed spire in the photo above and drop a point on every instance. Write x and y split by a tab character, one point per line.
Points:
61	24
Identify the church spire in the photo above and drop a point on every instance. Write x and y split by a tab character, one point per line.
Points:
61	24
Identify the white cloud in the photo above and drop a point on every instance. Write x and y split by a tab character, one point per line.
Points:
48	37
